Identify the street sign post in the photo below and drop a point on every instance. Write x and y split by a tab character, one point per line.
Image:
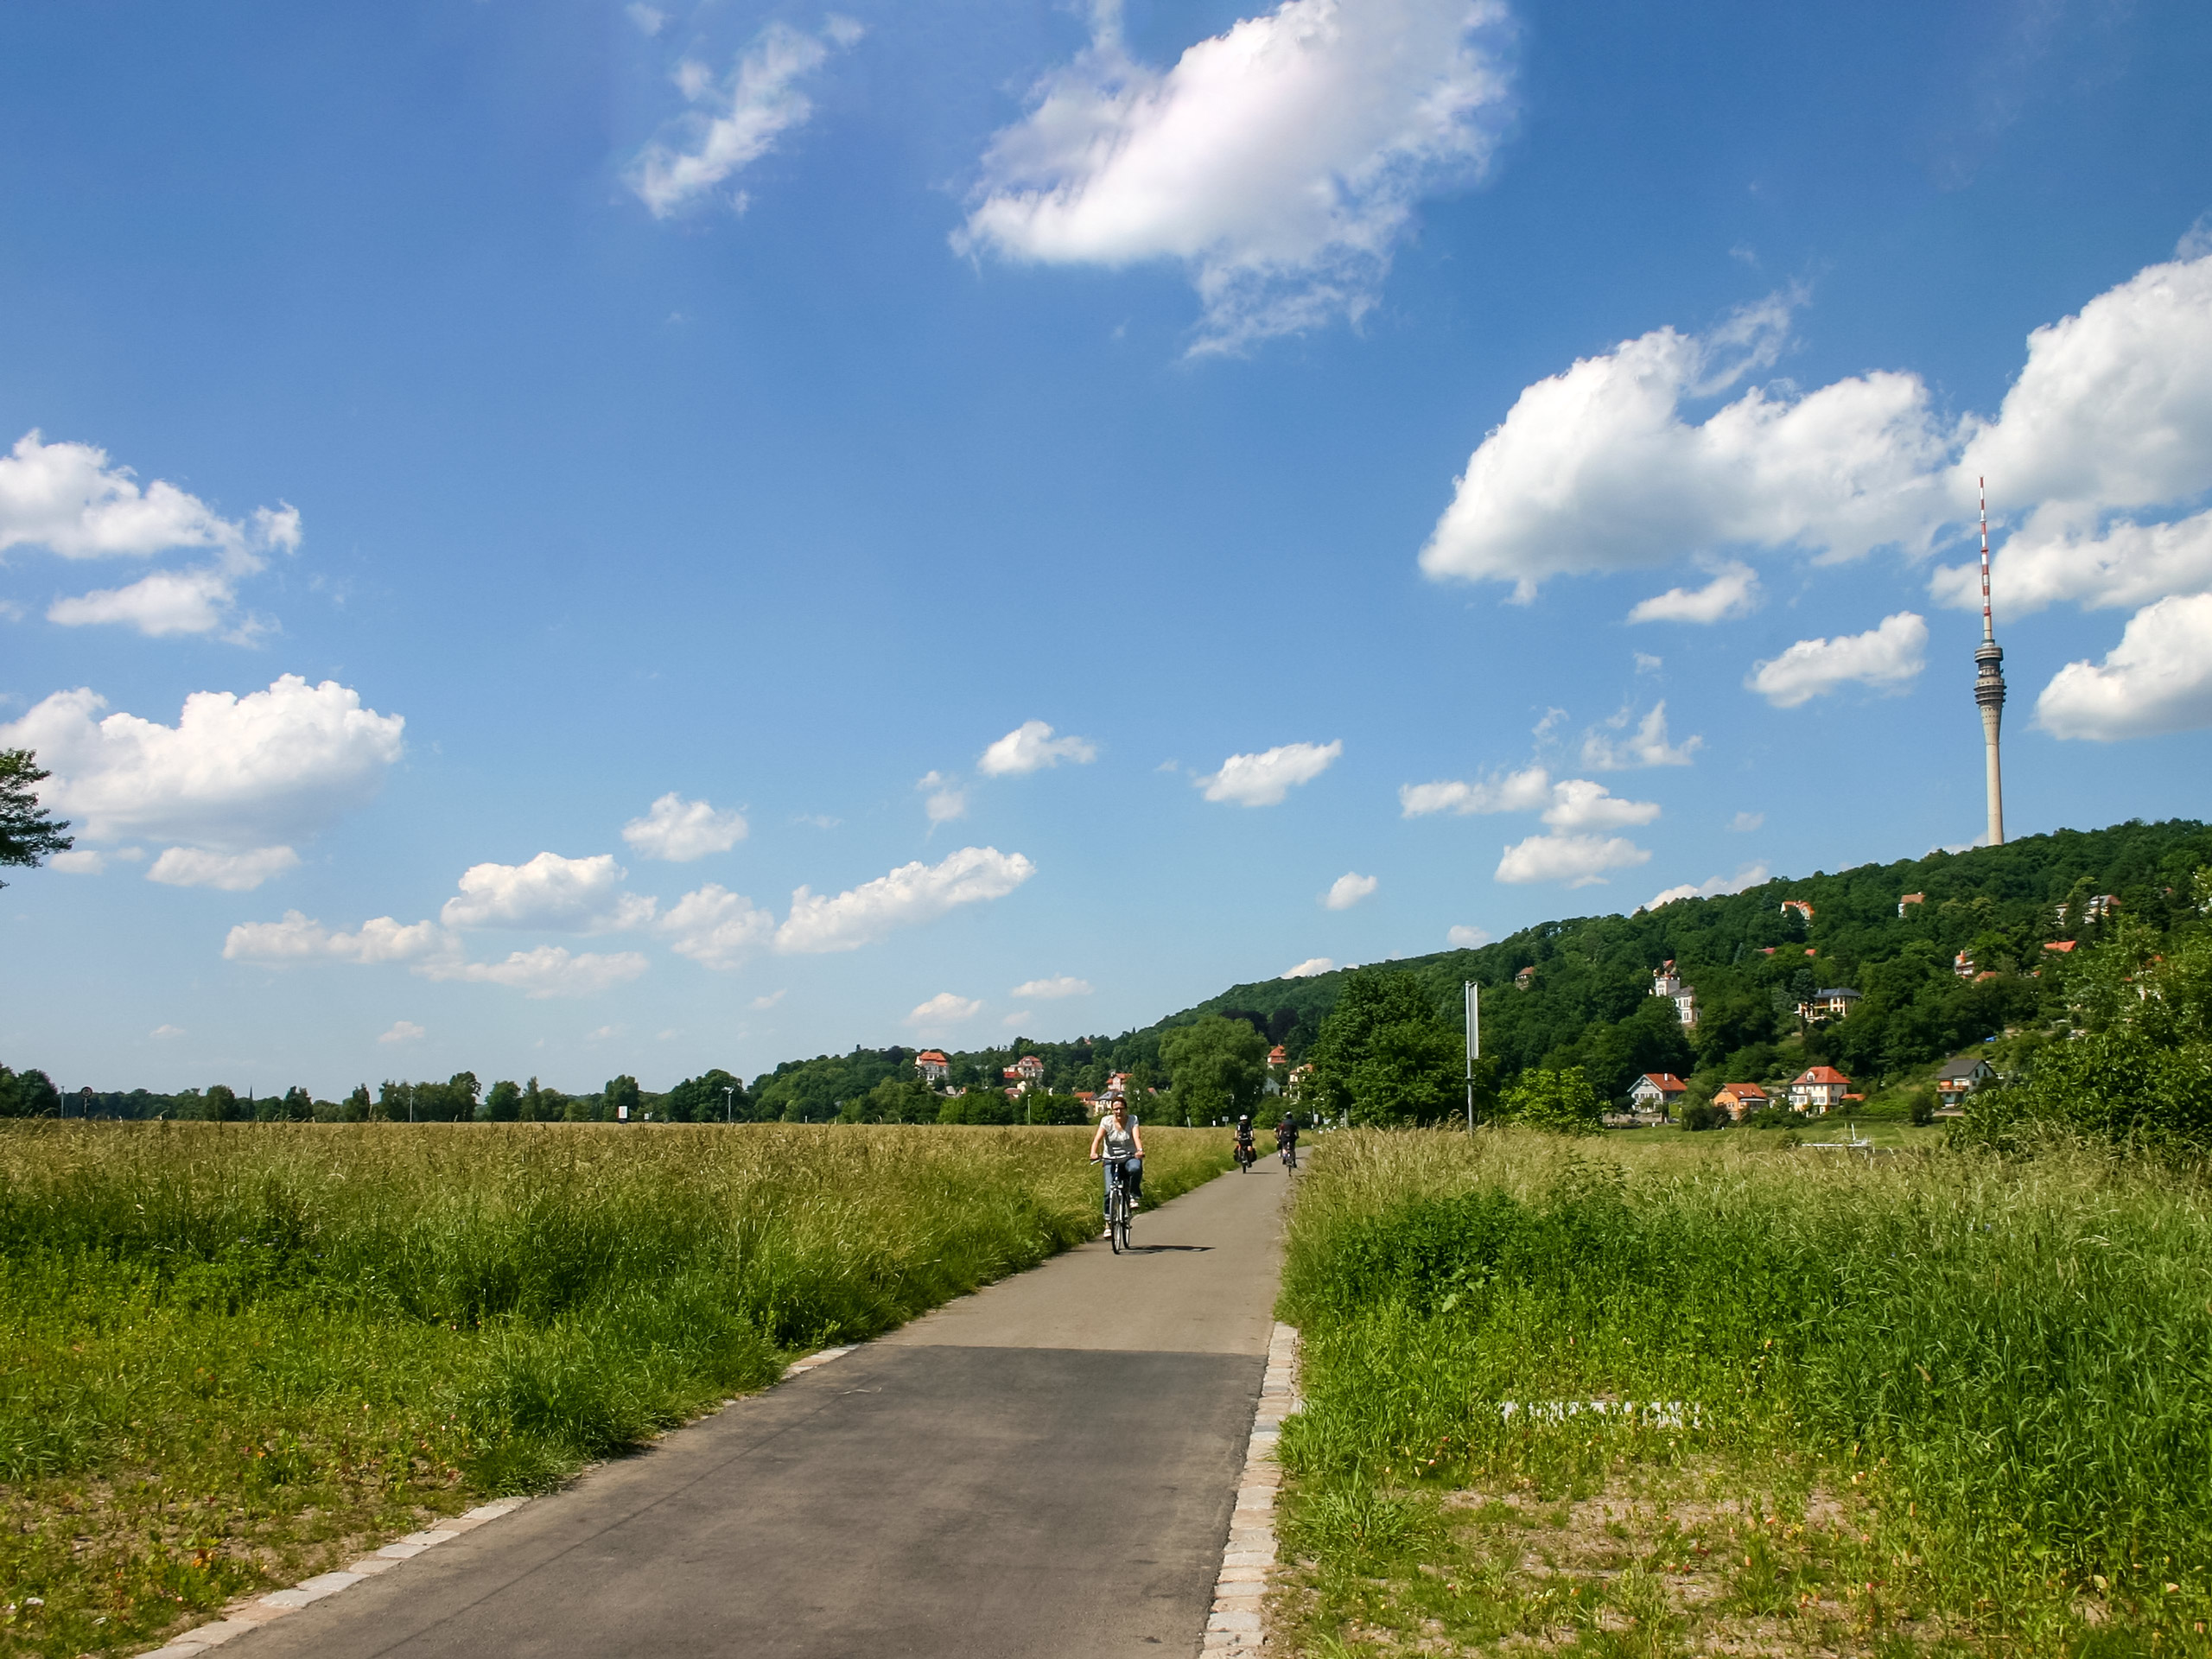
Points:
1473	993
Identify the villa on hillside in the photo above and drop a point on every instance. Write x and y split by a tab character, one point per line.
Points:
1738	1099
1667	983
1803	907
1959	1077
1818	1088
1525	978
1910	899
932	1065
1831	1004
1657	1091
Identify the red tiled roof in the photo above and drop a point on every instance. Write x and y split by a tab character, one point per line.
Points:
1822	1074
1741	1090
2060	945
1666	1080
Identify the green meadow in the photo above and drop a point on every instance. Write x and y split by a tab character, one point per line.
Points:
1659	1395
235	1355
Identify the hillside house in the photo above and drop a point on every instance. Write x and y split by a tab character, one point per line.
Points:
1834	1003
1962	965
1739	1100
1960	1077
932	1066
1910	899
1525	978
1030	1068
1665	982
1278	1055
2061	945
1803	908
1657	1091
1818	1088
1301	1076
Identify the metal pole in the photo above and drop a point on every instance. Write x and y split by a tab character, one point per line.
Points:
729	1103
1473	994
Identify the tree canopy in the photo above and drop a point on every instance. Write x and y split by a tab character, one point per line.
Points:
28	833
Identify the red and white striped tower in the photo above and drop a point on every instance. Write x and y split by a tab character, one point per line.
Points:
1989	685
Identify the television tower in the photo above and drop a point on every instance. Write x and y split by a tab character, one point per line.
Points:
1989	684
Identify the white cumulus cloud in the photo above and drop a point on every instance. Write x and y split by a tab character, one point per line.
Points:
1579	803
196	867
945	1009
68	499
1514	791
547	971
167	602
1308	968
736	120
1031	746
1743	822
1349	889
1747	875
2157	679
1466	938
947	802
2061	555
1886	658
1646	745
912	894
717	928
1278	163
83	861
580	895
1050	990
678	830
402	1031
1734	592
1597	469
1579	861
1264	780
233	774
296	938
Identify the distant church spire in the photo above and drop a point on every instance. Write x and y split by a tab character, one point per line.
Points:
1989	685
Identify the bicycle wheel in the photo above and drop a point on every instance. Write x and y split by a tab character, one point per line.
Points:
1121	1222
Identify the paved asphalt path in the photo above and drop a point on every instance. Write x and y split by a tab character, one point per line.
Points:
1044	1468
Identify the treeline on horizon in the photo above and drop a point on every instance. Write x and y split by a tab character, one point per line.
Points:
1587	1005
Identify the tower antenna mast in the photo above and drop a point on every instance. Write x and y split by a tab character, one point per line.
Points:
1989	685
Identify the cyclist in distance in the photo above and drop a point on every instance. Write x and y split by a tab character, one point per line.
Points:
1119	1140
1287	1140
1245	1154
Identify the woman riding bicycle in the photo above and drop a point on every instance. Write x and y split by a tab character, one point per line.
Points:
1120	1141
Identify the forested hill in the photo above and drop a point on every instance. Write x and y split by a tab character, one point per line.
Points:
1750	960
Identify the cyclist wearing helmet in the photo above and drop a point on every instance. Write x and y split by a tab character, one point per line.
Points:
1286	1140
1120	1141
1245	1153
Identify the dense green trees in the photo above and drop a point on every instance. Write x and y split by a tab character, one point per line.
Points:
1385	1055
28	833
30	1093
1219	1066
1562	1103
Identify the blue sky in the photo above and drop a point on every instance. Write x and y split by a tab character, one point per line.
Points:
1109	502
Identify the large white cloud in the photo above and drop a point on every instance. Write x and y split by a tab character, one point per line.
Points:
2060	556
1578	804
196	867
68	499
1264	780
946	1008
547	971
678	830
2115	405
1310	967
296	938
1030	746
168	603
909	895
1279	162
717	928
1597	469
234	773
1886	656
581	895
1579	861
2157	679
735	121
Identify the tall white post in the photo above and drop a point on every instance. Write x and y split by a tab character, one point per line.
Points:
1473	993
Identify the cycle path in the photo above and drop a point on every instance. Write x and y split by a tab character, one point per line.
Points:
1045	1467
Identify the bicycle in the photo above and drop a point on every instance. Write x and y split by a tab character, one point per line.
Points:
1247	1155
1290	1156
1117	1203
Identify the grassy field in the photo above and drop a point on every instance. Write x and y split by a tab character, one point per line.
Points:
231	1355
1658	1395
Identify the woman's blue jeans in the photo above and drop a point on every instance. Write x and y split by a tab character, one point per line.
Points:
1132	1177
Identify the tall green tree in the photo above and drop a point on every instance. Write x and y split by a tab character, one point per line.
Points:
29	833
1384	1055
1218	1066
503	1103
1562	1103
27	1094
622	1092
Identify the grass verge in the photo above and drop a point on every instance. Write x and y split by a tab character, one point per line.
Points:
1661	1398
232	1356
